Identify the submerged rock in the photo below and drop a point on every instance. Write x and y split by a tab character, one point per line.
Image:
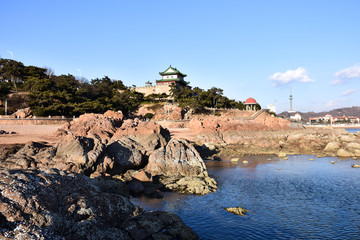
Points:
190	185
237	210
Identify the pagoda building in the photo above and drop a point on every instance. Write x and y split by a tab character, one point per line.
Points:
171	75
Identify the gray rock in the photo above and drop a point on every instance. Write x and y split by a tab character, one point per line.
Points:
179	158
53	204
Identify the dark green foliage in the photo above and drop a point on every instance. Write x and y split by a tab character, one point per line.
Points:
149	115
4	89
66	96
154	97
12	71
198	99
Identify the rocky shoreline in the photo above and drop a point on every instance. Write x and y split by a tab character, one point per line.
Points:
80	187
319	142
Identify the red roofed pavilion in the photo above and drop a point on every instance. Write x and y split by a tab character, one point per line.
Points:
250	104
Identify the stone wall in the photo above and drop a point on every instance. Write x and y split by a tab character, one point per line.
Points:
147	90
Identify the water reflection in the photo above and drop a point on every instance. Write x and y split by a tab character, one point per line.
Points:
287	199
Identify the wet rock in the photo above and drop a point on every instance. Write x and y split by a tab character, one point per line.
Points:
158	225
136	188
190	185
281	155
344	153
237	210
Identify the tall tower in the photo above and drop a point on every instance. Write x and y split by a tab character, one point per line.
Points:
291	98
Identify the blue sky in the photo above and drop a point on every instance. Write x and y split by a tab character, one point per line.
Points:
256	49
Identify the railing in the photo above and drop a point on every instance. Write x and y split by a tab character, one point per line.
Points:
252	117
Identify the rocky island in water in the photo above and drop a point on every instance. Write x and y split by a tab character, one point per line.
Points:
80	187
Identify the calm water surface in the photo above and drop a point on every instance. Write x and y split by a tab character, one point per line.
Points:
353	130
287	199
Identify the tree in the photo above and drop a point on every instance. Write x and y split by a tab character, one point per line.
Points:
126	101
11	71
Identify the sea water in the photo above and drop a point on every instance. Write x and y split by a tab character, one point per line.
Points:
296	198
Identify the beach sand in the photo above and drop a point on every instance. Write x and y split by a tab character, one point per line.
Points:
27	133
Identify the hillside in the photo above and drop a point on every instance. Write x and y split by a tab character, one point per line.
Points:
349	111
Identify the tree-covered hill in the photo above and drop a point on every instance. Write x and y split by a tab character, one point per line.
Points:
64	95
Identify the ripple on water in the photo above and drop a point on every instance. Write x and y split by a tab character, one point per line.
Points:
303	200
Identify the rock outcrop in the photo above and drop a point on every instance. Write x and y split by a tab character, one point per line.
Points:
234	123
237	210
52	204
181	168
22	113
101	126
320	142
106	145
148	134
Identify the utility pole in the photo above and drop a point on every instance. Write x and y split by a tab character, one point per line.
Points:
5	106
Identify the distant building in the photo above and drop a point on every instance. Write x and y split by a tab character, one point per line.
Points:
272	107
170	76
328	119
250	104
296	117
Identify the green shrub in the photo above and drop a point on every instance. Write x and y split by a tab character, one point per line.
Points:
149	115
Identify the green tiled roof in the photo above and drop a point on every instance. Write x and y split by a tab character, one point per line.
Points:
171	80
175	71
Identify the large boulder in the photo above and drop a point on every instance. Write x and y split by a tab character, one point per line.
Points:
22	113
126	154
52	204
89	155
148	134
178	158
332	147
102	126
169	112
181	168
80	151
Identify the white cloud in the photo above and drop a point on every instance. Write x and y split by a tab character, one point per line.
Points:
337	81
350	72
349	91
298	75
